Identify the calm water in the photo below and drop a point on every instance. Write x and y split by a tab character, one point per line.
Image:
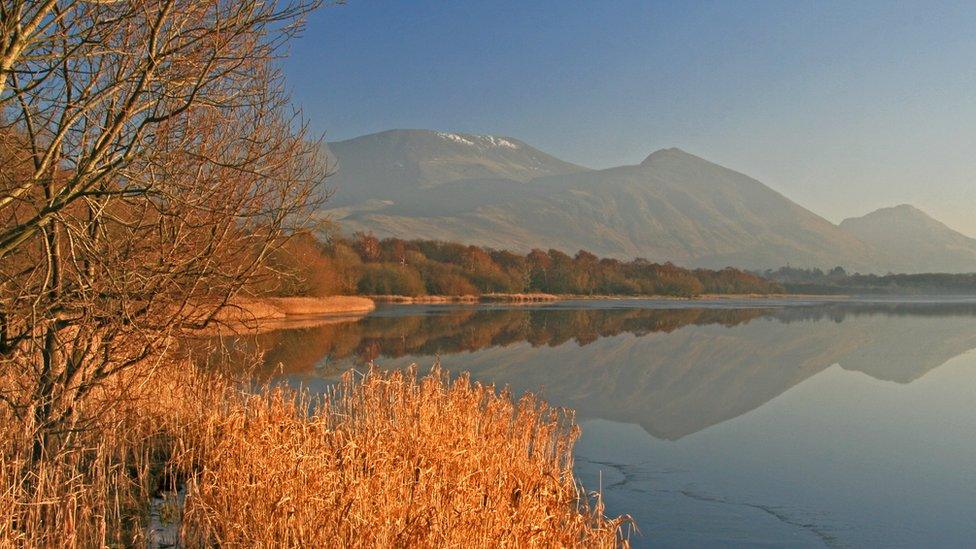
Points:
774	423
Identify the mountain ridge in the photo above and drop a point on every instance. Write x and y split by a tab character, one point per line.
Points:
673	206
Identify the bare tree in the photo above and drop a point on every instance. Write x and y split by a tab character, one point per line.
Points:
148	166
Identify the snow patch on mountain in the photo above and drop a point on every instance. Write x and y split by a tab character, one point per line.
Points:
455	137
482	140
499	142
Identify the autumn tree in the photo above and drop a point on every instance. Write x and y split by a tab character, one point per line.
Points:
150	165
368	246
301	267
539	264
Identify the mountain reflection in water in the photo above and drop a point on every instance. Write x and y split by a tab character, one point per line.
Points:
673	371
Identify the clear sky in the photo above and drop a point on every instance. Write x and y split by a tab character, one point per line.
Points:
843	107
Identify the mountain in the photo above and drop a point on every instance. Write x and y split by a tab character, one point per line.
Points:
913	241
392	164
673	206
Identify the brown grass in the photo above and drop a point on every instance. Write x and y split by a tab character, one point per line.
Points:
246	310
385	460
322	305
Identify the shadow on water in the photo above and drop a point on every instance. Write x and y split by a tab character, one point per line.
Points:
674	371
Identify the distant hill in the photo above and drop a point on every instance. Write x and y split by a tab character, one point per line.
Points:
673	206
913	241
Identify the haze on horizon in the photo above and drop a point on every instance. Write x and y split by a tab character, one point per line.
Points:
844	108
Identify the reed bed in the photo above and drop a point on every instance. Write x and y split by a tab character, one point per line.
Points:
275	308
384	459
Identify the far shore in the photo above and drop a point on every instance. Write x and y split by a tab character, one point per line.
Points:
298	309
541	298
257	315
483	298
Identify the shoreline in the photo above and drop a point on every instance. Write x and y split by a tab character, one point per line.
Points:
248	311
449	299
281	308
550	298
259	315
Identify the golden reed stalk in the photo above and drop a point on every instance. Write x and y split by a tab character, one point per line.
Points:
385	459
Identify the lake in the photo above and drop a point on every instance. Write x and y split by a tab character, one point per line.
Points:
727	423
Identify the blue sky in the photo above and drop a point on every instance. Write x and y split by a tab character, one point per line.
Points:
844	107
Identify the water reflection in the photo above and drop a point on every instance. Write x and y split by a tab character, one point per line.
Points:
440	330
672	371
772	424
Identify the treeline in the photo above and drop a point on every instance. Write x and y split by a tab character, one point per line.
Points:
838	281
367	265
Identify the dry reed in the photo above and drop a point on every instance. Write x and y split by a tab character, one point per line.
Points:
322	305
246	310
388	459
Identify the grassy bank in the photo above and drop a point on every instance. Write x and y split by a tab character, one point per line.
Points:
278	308
389	459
